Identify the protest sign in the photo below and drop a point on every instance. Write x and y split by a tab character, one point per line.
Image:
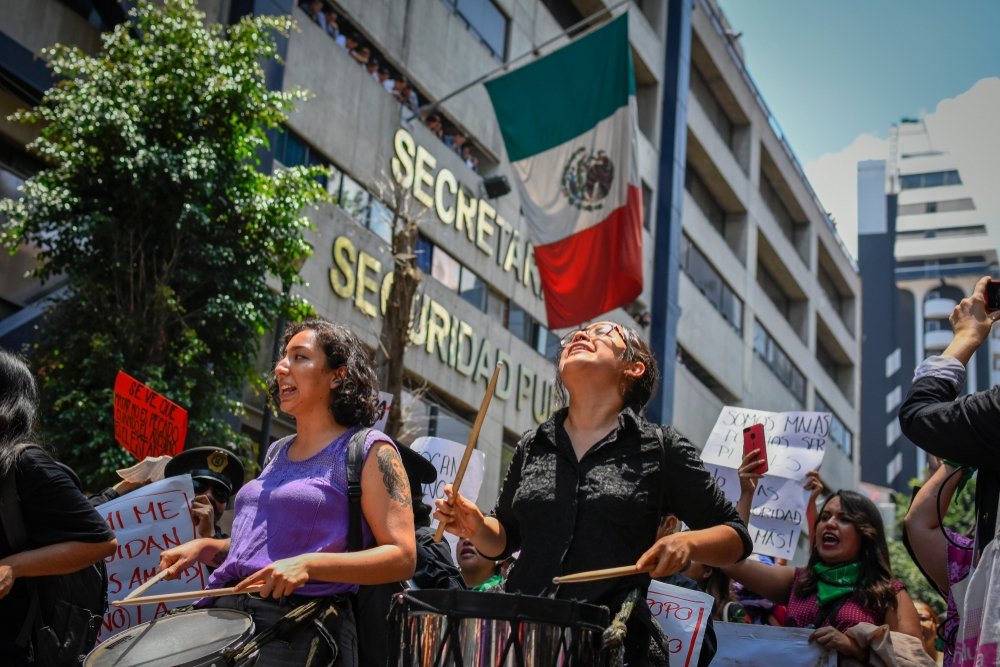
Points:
446	455
683	616
384	403
146	423
147	521
796	441
743	644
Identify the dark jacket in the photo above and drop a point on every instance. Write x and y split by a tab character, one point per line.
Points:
963	429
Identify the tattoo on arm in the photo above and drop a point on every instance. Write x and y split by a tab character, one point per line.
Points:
395	483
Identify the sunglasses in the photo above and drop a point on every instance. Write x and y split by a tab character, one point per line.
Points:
219	492
592	332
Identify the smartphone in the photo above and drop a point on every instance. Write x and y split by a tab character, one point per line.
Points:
753	440
992	296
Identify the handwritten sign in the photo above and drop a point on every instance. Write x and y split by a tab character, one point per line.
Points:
683	616
384	403
146	423
743	644
446	455
147	521
796	441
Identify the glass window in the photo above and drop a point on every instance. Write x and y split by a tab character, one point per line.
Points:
424	251
779	362
445	269
518	322
929	180
354	199
380	220
472	289
486	22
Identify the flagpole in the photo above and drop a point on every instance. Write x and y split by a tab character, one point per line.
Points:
475	82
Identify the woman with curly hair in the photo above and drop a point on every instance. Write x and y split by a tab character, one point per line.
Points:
847	581
290	526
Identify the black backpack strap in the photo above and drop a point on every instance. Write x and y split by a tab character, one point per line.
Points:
276	449
355	462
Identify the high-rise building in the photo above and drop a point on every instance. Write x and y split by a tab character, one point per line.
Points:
767	298
923	245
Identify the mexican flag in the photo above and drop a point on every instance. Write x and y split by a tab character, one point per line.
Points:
568	122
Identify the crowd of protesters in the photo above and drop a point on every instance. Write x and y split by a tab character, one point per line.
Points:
327	18
847	593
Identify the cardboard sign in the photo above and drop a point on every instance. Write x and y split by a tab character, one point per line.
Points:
384	403
796	441
743	644
446	455
146	423
147	521
683	616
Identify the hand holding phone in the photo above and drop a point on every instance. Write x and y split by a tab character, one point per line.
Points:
753	440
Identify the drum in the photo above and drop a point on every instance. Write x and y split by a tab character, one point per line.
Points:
451	628
199	638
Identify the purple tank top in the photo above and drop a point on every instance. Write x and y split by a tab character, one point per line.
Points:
292	508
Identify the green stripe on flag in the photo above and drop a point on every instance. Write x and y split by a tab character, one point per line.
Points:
566	93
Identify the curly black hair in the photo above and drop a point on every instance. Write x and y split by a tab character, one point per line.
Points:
18	405
356	399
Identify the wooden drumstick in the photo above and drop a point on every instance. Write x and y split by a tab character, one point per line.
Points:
597	575
156	578
471	445
190	595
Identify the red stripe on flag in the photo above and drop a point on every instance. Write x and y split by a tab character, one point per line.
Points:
596	270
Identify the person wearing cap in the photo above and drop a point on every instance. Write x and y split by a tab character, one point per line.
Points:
217	475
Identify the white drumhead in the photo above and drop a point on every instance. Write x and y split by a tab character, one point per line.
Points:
172	641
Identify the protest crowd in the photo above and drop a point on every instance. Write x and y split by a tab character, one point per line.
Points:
333	538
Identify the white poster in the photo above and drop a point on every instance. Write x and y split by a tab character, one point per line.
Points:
683	616
742	644
147	521
796	442
446	455
384	403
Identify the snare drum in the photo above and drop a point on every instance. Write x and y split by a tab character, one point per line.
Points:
199	638
450	628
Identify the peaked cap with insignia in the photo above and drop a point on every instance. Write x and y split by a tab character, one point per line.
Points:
214	464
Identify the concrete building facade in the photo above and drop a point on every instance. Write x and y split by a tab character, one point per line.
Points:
769	299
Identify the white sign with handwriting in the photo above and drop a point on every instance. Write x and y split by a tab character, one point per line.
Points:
683	616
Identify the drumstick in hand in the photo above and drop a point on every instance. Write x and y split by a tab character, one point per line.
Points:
597	575
189	595
471	445
156	578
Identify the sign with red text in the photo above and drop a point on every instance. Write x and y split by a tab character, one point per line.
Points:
147	521
683	616
743	644
146	423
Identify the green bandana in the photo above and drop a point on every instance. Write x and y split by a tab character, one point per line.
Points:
835	581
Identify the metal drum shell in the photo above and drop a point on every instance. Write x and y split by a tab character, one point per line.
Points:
172	641
437	628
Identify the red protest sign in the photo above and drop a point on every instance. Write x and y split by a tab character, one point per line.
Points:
146	423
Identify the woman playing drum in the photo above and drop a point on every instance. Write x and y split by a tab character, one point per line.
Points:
586	490
290	525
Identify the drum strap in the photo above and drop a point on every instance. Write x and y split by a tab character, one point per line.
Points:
310	612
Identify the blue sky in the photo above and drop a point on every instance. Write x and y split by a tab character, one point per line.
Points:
833	70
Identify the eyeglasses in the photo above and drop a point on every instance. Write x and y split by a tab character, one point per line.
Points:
593	331
219	492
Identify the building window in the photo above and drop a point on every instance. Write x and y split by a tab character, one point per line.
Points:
894	467
705	377
779	362
893	361
485	21
893	399
839	433
716	114
705	200
772	288
710	283
932	179
777	208
531	331
892	432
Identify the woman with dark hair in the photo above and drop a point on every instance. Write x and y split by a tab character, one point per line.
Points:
586	489
64	532
847	581
290	525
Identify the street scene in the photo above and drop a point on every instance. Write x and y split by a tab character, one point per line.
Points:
433	333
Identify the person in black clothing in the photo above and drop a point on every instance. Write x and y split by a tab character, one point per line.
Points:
586	490
217	475
64	531
963	429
